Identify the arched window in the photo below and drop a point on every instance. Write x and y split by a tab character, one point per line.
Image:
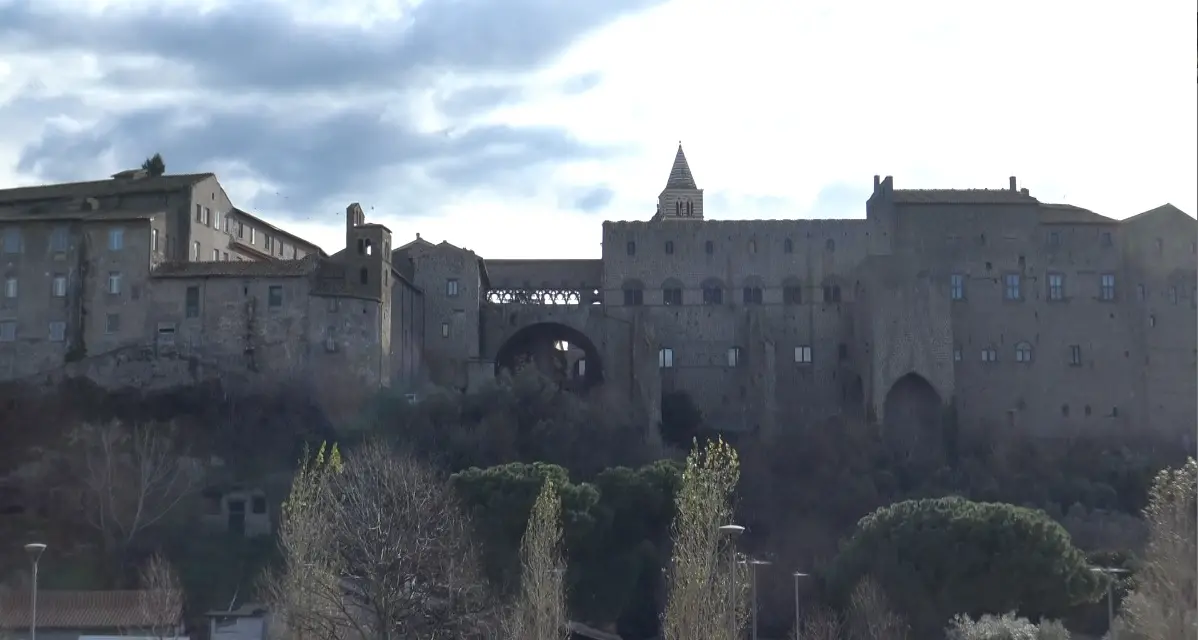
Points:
690	208
788	246
792	291
1023	352
713	291
678	208
753	291
634	293
671	292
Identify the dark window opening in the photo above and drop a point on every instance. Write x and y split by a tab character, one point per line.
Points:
634	297
669	247
631	248
274	297
788	246
792	295
831	293
193	302
709	247
753	295
671	296
363	276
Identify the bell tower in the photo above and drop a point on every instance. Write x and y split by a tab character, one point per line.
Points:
682	199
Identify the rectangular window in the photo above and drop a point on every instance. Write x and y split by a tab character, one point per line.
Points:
8	330
803	354
634	297
1173	295
1056	286
631	248
10	287
154	240
59	239
207	217
1075	354
957	286
268	242
989	355
733	356
1106	239
792	294
752	295
1141	292
665	358
831	293
216	220
114	282
251	235
1011	288
58	331
713	295
216	255
444	329
671	296
58	286
240	229
1054	239
199	213
12	240
1107	289
957	356
451	287
192	303
224	256
116	239
195	251
112	323
274	296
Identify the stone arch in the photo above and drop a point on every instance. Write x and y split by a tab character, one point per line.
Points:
556	350
753	291
832	289
912	415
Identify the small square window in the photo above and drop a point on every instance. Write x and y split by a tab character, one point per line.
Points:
1011	288
10	287
989	355
634	297
631	248
116	239
1107	288
112	323
665	358
792	295
12	240
733	356
1056	286
451	287
8	330
1054	239
59	239
669	247
671	296
752	295
956	287
258	504
1106	239
114	283
803	354
274	296
58	286
58	331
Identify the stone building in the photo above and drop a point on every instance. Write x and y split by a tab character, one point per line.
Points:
142	272
986	306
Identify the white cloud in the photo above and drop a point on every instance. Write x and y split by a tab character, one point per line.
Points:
777	101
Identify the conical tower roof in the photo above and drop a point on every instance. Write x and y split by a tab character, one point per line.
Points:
680	173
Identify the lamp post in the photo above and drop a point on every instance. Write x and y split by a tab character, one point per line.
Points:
798	618
731	531
1110	573
35	550
753	564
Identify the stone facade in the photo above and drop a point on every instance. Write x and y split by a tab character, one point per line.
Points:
986	304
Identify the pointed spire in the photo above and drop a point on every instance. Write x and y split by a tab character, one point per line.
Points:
680	173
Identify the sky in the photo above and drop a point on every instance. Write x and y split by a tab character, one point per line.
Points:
515	127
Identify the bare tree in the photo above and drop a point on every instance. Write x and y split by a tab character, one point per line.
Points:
540	610
1163	603
870	617
128	477
702	604
160	601
377	547
820	624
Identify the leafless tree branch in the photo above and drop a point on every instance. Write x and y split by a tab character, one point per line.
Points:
161	599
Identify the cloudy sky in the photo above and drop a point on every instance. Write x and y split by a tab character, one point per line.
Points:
515	127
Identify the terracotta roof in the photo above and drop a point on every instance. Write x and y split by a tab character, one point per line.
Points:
1069	214
82	609
680	173
961	196
238	268
100	188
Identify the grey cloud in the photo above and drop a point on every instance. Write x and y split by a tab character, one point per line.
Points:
595	199
581	83
260	45
259	51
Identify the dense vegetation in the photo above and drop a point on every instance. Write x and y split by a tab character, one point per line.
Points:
1027	517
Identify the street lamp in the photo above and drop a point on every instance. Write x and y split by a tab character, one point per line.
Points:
35	550
1110	573
798	627
753	564
731	531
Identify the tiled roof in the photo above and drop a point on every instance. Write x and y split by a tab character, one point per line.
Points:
1069	214
680	173
238	268
1164	208
82	609
100	188
961	196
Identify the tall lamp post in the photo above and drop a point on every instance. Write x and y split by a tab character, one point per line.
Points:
732	532
35	550
753	564
798	618
1111	573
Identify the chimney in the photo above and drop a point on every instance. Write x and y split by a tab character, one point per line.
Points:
417	235
1013	184
1025	192
877	181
